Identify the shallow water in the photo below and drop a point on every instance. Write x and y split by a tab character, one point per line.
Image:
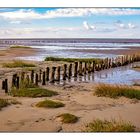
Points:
124	75
77	50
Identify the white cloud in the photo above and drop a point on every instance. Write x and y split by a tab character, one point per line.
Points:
87	26
131	26
122	25
15	22
24	14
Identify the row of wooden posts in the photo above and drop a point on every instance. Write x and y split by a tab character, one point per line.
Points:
68	71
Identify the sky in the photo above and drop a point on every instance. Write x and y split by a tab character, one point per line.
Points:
69	22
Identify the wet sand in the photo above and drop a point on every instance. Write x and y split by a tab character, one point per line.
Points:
78	99
119	51
11	54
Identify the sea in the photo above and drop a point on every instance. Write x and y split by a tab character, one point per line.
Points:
71	48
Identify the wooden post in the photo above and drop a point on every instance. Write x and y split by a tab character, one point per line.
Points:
65	72
85	68
93	66
80	68
40	73
89	67
3	84
28	79
22	76
109	64
43	78
75	69
58	73
70	71
32	76
47	73
53	74
14	80
36	79
17	82
6	85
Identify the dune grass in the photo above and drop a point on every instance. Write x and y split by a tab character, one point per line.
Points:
7	102
50	104
115	91
68	118
109	126
32	92
72	59
4	103
18	63
19	47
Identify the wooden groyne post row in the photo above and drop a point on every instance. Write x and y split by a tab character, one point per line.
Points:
67	71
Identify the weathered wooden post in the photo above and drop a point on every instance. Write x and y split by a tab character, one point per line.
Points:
80	68
53	74
43	78
85	68
22	76
70	71
32	76
40	73
93	66
65	72
75	69
14	80
28	79
3	84
58	73
47	73
36	79
109	63
89	67
17	82
6	85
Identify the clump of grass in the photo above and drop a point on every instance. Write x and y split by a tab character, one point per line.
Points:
17	63
50	104
29	68
68	118
72	59
115	91
7	102
32	92
4	103
19	47
27	84
109	126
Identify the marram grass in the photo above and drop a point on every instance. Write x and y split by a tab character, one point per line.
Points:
72	59
7	102
18	63
109	126
68	118
19	47
115	91
50	104
32	92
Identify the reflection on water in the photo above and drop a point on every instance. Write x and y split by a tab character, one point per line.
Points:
121	75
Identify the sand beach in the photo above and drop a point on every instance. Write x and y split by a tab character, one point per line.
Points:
78	97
